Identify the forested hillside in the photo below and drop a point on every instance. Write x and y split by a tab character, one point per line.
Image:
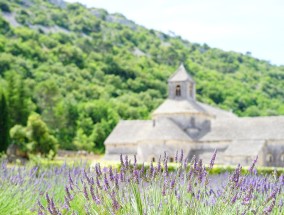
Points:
84	69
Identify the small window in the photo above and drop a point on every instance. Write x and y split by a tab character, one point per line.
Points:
153	159
171	159
282	157
269	158
178	90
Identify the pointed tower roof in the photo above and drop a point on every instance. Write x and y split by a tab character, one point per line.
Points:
180	75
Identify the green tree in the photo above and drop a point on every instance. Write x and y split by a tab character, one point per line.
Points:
4	26
83	141
38	133
35	138
4	123
47	96
18	135
19	102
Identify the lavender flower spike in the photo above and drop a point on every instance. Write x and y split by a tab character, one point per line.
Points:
269	209
40	205
126	162
253	165
213	159
121	160
86	192
181	156
176	157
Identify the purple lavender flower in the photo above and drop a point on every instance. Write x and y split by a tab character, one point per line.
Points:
234	199
106	182
50	209
40	205
281	179
248	196
86	192
159	165
236	175
121	174
53	206
164	190
86	176
99	169
92	181
198	195
173	183
213	159
164	186
181	156
47	198
70	179
269	209
115	204
272	195
176	157
111	177
136	176
189	187
185	163
71	187
39	212
253	165
151	168
189	175
121	160
142	169
98	183
68	193
135	161
126	162
66	202
92	193
166	170
200	175
199	166
116	181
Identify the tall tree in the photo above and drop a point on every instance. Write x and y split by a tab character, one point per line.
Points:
18	99
4	123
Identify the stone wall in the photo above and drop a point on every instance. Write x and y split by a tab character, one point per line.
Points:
187	90
274	153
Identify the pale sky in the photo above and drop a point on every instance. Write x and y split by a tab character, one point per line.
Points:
256	26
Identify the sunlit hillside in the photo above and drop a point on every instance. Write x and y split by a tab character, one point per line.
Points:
82	69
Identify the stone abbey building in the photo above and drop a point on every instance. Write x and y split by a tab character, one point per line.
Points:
181	122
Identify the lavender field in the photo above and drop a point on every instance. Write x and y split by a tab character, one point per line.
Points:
137	189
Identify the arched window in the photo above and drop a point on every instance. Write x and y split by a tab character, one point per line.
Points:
153	159
269	158
178	90
282	157
171	159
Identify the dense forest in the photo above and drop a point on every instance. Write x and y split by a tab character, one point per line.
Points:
69	73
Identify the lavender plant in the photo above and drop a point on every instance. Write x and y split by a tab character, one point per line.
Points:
135	189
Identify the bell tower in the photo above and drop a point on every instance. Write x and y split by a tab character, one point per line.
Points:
181	85
181	106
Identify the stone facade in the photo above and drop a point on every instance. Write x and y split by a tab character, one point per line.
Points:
198	129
